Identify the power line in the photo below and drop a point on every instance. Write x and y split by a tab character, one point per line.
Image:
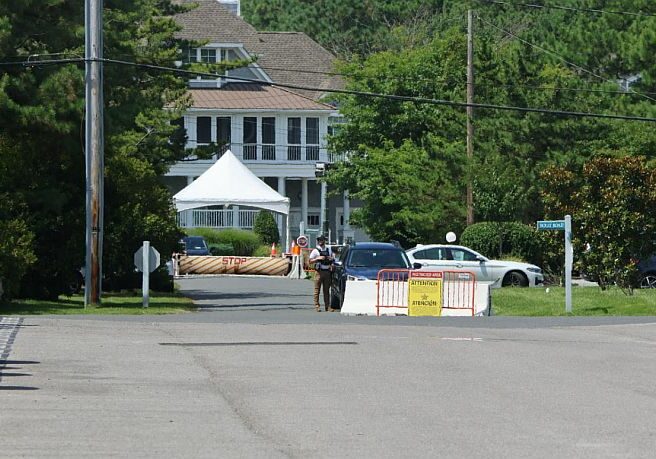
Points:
391	96
560	57
561	88
542	88
29	63
352	92
570	8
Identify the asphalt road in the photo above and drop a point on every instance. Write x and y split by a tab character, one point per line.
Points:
258	373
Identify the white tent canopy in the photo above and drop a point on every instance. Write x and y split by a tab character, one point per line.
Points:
229	182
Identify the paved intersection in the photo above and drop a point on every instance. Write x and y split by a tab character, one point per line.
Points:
263	375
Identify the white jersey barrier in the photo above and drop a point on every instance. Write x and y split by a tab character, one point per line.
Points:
418	293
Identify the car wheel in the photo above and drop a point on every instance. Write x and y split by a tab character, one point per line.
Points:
515	279
648	281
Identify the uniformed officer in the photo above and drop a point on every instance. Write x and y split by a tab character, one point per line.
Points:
322	258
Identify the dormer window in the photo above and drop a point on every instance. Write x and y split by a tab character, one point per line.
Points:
232	5
208	55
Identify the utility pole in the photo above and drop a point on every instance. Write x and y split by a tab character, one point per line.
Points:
470	115
93	149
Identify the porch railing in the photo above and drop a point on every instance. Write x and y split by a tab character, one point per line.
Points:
217	218
256	152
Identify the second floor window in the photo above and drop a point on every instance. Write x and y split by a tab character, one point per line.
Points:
250	138
223	133
269	130
294	131
312	139
203	129
207	55
293	139
268	138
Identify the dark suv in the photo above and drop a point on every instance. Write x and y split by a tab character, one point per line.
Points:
363	261
195	245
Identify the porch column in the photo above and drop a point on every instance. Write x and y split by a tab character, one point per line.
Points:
213	135
304	201
188	215
235	216
322	214
348	234
190	126
282	228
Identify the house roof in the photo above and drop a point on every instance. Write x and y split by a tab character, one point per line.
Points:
287	57
211	21
294	58
251	96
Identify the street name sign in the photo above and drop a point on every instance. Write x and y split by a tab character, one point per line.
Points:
566	226
558	225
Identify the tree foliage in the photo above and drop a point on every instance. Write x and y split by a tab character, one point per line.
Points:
348	27
42	118
613	206
266	228
555	60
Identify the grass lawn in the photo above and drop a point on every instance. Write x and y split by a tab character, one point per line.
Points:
586	301
128	303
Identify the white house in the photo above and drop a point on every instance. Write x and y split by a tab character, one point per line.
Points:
278	133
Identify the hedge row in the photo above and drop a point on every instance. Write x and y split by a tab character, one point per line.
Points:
228	241
505	239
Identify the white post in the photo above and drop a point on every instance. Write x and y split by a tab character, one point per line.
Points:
569	259
304	201
322	215
287	235
347	211
213	135
145	282
284	224
235	216
188	215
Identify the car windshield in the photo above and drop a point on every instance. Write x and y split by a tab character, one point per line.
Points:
365	258
195	243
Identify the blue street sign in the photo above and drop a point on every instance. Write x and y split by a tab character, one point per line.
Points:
558	225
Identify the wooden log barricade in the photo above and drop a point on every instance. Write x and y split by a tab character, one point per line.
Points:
268	266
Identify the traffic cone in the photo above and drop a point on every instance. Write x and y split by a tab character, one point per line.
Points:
273	250
293	248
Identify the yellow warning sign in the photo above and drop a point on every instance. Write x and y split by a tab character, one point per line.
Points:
425	293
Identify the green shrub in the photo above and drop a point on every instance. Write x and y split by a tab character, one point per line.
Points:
211	235
221	249
522	241
484	237
262	251
265	227
499	240
16	255
243	242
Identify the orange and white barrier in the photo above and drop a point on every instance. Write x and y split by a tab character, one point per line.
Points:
270	266
418	293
